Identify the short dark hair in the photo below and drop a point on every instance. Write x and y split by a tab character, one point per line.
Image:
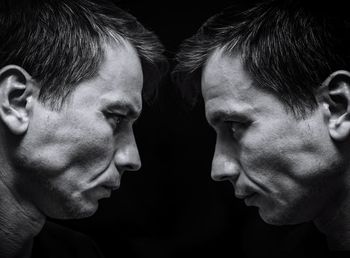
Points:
61	43
287	46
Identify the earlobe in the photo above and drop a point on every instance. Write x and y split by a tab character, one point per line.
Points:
16	92
340	129
334	95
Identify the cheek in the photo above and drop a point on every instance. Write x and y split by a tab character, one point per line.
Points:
267	158
261	152
91	144
286	157
59	145
265	167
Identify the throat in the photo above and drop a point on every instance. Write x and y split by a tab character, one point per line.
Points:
20	222
335	223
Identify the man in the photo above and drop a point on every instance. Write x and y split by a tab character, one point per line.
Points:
72	76
276	87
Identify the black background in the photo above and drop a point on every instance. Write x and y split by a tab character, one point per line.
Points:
171	207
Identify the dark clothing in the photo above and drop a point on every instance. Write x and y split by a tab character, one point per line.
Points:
55	241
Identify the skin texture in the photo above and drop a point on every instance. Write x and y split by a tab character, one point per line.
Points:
69	159
289	168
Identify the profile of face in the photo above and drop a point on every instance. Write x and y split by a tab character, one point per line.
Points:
71	158
289	168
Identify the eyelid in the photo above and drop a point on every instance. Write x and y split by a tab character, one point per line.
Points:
237	126
110	114
116	117
234	124
126	115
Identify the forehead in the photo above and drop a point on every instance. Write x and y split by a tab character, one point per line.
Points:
122	67
122	60
227	87
223	73
225	80
119	78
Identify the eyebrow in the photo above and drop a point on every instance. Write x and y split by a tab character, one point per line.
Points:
130	110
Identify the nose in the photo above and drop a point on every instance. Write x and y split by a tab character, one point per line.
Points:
225	165
127	157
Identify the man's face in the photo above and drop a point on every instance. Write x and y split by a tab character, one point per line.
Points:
287	167
72	158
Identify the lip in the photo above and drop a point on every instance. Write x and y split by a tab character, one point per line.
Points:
111	187
250	199
248	195
100	192
110	180
107	193
243	194
105	189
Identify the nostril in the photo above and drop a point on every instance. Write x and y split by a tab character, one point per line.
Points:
220	177
222	173
127	159
132	167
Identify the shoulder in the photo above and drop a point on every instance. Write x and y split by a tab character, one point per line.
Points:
57	241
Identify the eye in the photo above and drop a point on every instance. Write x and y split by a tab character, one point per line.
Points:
236	128
114	119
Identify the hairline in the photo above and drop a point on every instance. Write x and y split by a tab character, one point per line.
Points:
236	49
110	39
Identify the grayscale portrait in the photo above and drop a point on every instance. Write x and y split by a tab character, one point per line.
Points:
275	82
73	75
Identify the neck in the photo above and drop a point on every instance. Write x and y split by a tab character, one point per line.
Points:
335	223
20	221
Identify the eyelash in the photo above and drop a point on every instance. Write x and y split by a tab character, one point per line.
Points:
235	127
116	119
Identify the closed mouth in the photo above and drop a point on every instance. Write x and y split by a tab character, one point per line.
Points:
250	200
244	195
111	187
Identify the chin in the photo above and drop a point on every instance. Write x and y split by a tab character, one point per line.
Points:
278	218
84	214
80	211
272	220
84	210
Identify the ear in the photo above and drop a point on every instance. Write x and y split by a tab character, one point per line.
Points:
16	93
334	95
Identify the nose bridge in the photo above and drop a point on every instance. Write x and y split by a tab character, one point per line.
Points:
225	165
127	156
